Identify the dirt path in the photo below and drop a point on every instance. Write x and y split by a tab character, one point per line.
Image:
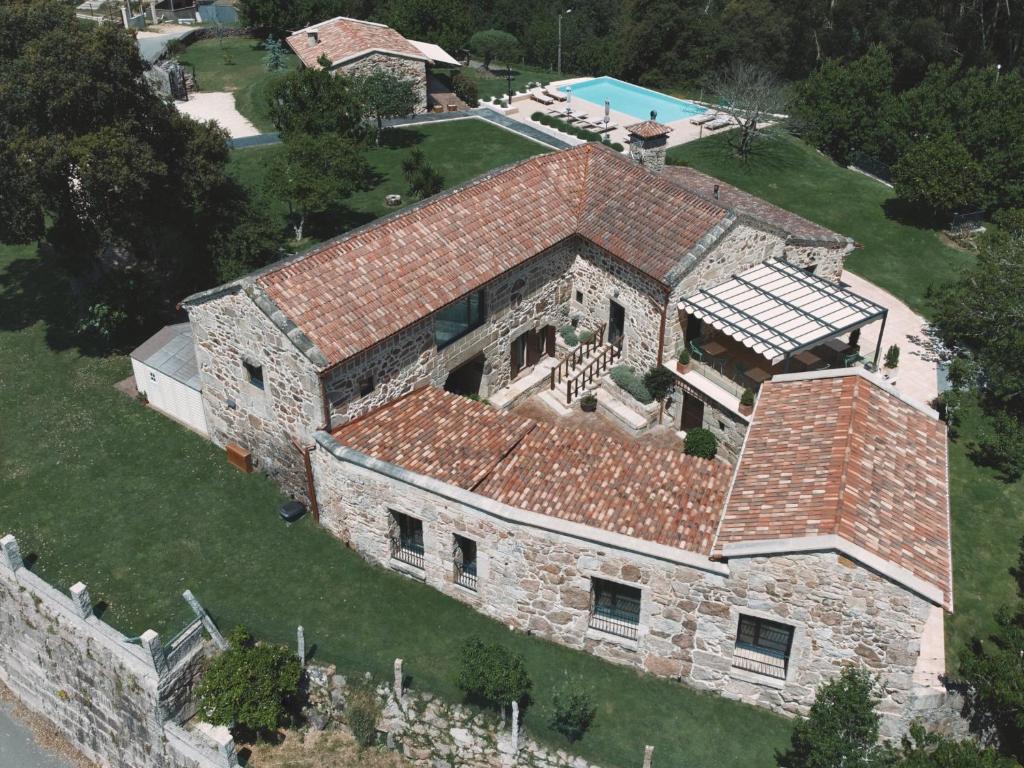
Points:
218	106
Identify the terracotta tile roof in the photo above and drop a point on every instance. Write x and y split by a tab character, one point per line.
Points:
648	493
341	39
743	202
842	456
649	129
398	270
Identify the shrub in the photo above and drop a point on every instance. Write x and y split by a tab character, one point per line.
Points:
684	357
626	378
568	334
250	685
493	674
573	711
747	398
465	88
585	337
588	400
892	356
362	711
855	338
1001	446
659	382
700	442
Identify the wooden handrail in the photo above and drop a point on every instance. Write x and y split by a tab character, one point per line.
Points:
576	356
593	369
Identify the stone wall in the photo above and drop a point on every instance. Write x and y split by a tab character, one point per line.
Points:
535	572
400	66
110	697
230	330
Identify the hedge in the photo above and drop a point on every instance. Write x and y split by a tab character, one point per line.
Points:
568	334
626	378
580	133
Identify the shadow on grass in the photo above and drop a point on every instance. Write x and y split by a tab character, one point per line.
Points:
911	215
400	138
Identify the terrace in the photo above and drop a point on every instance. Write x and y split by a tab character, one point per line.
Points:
774	318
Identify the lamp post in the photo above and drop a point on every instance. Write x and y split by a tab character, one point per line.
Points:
998	68
560	39
508	75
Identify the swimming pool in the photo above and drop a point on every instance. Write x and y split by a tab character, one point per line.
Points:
633	100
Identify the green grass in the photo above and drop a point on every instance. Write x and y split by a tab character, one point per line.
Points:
901	257
988	523
459	150
246	76
496	83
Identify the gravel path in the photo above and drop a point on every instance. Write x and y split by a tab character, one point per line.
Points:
219	106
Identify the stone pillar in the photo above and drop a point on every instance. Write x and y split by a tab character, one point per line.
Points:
225	746
151	643
399	680
152	10
648	756
515	727
11	558
82	601
301	638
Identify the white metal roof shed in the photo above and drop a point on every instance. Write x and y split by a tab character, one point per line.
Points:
777	309
436	53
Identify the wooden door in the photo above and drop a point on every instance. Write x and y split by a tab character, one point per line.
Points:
534	347
693	413
549	340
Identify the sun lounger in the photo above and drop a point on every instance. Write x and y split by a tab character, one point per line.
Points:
545	100
554	95
707	117
602	128
718	122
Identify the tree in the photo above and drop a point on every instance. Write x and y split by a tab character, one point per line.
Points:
753	97
940	176
315	174
422	178
493	674
842	726
384	94
921	749
313	101
659	381
840	107
251	685
491	44
983	312
274	60
573	711
447	23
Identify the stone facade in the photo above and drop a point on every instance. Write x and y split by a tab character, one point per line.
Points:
116	701
230	331
535	574
401	66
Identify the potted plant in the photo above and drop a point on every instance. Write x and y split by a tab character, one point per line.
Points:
588	403
747	402
855	340
683	362
892	358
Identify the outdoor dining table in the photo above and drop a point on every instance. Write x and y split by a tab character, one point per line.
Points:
807	357
757	375
714	349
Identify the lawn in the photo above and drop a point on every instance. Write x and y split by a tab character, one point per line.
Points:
903	258
495	82
235	64
459	150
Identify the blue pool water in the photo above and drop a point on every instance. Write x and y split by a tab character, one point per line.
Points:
633	100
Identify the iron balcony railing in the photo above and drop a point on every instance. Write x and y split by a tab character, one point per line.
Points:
616	615
465	576
407	551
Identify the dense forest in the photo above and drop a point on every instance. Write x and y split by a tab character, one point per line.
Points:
676	43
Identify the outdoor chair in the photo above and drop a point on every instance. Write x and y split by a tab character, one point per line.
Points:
707	117
849	361
545	100
554	95
718	122
696	352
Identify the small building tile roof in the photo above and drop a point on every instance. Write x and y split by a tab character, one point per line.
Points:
342	39
171	352
407	266
729	196
648	493
840	455
648	129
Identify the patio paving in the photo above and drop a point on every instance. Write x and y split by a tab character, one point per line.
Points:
917	375
220	107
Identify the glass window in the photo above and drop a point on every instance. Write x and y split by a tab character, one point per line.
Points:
407	539
458	319
615	608
763	646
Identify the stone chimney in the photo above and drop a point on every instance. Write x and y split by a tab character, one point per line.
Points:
312	36
648	143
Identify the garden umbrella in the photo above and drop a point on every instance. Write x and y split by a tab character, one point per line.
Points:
607	111
568	100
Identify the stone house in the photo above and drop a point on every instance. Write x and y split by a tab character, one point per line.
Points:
829	545
358	47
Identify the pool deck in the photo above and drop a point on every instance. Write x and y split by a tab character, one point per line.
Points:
683	130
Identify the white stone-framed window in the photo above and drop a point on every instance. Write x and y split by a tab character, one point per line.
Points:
615	608
763	646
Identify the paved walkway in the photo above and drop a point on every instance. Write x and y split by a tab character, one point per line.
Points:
917	375
18	748
219	106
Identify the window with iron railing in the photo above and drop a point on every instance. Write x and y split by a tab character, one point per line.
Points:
615	608
464	560
763	647
407	539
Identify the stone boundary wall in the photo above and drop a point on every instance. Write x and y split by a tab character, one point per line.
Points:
117	700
